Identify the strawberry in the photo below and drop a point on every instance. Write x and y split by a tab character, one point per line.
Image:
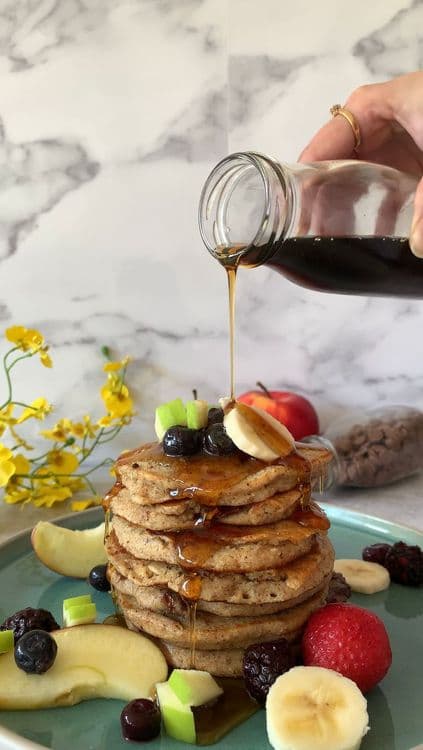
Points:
350	640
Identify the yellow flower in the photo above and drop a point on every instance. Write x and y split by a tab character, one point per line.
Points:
105	421
22	465
78	505
47	495
117	403
17	495
20	441
27	339
115	366
74	483
61	462
45	357
59	432
38	409
7	467
83	429
6	418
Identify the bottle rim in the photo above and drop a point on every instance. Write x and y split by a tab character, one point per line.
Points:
213	193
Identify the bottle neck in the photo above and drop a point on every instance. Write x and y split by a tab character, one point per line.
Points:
248	204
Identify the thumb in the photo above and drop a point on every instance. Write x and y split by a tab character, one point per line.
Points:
416	236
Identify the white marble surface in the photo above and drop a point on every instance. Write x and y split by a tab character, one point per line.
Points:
112	114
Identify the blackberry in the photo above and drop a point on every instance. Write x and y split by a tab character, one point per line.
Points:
263	663
140	720
29	619
376	553
339	589
35	652
405	564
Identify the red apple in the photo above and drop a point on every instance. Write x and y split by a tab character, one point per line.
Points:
294	411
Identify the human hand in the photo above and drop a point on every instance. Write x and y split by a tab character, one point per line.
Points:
390	116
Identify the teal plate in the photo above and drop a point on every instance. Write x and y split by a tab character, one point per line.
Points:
395	708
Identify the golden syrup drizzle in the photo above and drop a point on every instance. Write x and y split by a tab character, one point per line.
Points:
214	720
231	274
190	591
313	517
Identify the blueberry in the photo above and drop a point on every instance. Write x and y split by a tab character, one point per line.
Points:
24	620
35	652
98	578
140	720
182	441
217	441
215	415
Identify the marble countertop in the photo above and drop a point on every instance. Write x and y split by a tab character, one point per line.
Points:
401	503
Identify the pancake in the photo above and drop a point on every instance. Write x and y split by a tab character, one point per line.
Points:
253	588
178	515
236	535
222	663
213	632
219	548
152	477
167	602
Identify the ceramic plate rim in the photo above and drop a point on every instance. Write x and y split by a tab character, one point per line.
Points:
11	741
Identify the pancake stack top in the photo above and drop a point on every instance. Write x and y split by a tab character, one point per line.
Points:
209	554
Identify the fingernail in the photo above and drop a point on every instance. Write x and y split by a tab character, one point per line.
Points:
416	238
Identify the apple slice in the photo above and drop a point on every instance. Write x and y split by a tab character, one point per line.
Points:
178	718
168	415
75	601
93	661
194	687
71	553
197	414
7	641
80	614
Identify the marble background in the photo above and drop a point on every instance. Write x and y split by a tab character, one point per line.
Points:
112	114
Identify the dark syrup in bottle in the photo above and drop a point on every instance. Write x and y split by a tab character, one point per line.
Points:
376	266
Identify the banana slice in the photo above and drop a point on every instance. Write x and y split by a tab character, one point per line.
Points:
257	433
313	707
363	577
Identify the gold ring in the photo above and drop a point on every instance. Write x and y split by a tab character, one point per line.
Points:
349	117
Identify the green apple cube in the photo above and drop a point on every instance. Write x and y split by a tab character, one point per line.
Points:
197	414
168	415
74	601
7	641
177	717
80	614
194	687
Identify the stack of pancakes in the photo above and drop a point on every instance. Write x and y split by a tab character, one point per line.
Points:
211	554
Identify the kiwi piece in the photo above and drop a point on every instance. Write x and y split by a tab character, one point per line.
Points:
168	415
197	414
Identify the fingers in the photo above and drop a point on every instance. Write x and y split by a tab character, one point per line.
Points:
379	110
335	140
416	236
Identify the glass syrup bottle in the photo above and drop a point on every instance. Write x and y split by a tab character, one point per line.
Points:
334	226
